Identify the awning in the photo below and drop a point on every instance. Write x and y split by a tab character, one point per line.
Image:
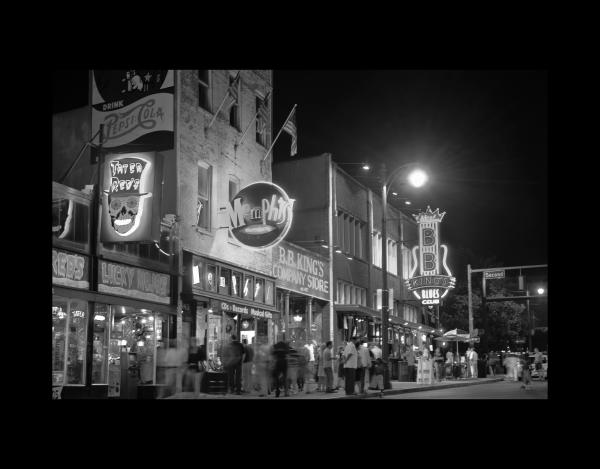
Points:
358	310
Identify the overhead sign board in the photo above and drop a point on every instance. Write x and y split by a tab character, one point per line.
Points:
492	274
125	280
434	279
131	197
260	215
135	106
300	270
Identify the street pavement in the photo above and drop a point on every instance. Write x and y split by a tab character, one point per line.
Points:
481	388
492	390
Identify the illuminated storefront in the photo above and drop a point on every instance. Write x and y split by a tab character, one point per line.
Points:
127	317
302	281
224	299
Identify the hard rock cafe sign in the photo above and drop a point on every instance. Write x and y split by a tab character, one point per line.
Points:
434	279
260	215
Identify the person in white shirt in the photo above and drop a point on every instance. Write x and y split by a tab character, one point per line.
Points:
350	364
473	361
365	365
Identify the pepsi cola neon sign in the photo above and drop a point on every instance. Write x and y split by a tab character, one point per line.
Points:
260	215
432	283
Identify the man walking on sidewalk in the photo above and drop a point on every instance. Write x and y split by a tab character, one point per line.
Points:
350	363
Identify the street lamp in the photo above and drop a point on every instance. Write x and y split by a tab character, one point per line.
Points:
416	178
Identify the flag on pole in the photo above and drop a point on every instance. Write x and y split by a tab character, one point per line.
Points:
263	115
233	90
290	128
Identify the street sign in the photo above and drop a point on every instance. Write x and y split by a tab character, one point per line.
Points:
493	274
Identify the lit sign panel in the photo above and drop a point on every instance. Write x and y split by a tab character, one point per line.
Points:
260	215
69	269
129	199
250	310
432	283
135	106
124	280
492	274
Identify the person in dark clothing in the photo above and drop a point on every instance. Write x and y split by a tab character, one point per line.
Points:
247	384
232	361
280	352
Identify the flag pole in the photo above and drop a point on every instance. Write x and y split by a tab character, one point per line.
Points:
222	102
285	122
251	122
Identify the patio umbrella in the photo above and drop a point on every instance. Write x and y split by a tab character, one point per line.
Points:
455	335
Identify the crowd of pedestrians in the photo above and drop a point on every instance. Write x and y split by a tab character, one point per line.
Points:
305	367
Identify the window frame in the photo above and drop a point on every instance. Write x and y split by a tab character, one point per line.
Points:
206	86
237	118
207	198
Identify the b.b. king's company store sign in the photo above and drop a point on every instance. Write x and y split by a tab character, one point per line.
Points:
124	280
432	284
260	215
301	271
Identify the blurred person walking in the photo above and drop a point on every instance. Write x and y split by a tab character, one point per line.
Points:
537	363
262	364
292	370
280	353
525	373
233	355
510	362
247	382
350	363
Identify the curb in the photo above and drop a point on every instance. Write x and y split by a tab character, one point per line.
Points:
429	388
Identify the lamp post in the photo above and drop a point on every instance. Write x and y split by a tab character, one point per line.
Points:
417	179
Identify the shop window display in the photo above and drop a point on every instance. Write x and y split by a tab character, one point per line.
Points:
76	340
59	340
259	290
100	345
248	287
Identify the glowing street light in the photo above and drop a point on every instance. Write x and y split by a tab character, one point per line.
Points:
540	291
417	178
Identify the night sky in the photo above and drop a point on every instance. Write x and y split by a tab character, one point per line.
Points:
482	135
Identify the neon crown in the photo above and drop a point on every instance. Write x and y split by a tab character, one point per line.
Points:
429	216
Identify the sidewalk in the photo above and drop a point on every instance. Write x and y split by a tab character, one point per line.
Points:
398	387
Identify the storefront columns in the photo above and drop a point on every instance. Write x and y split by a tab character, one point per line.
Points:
286	317
309	308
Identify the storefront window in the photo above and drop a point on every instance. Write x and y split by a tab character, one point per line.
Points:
269	289
77	335
102	321
248	287
198	274
236	284
259	290
70	220
211	277
225	282
214	335
59	339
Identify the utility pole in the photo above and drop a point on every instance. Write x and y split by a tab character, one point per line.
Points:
470	300
385	300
